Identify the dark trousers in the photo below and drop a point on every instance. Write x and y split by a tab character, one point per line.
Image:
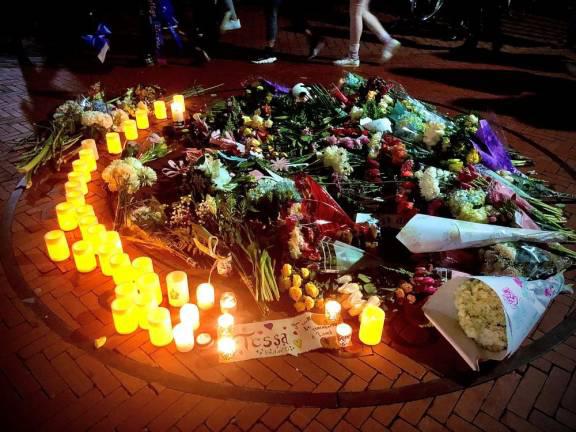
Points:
297	12
485	17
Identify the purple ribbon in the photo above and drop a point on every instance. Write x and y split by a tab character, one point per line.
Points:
277	87
99	39
494	155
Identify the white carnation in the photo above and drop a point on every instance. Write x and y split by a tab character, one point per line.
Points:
337	158
433	133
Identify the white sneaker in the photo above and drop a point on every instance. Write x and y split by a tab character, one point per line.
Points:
389	50
229	24
347	62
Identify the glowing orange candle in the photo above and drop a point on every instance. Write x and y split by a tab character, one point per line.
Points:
343	334
84	210
371	325
56	245
225	325
183	337
203	340
87	156
177	112
160	110
126	290
142	265
142	119
177	287
124	315
144	307
190	315
84	222
226	348
75	198
113	143
178	99
94	235
70	186
332	310
81	167
113	238
205	296
121	267
89	143
105	251
84	257
66	215
149	286
160	326
78	178
130	129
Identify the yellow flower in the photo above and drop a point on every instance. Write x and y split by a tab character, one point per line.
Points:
473	157
268	124
305	273
285	283
455	165
247	131
255	143
296	280
308	302
371	95
246	120
295	293
320	304
312	290
286	270
300	307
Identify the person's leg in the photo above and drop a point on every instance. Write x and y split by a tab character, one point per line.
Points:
229	4
374	24
298	13
356	26
271	10
494	11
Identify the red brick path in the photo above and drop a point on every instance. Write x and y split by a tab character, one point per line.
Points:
51	384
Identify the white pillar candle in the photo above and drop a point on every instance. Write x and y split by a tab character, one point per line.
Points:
149	286
205	296
142	265
343	334
183	337
177	112
177	286
87	156
190	315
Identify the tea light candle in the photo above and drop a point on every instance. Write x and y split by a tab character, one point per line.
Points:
124	315
113	143
183	337
177	287
75	198
94	235
226	348
89	143
66	215
227	302
56	245
142	119
177	113
84	222
142	265
105	251
225	325
178	99
203	340
84	210
82	168
87	156
343	334
126	290
73	186
130	129
121	268
332	310
149	286
84	257
205	296
143	307
113	238
371	325
190	315
160	110
160	326
78	178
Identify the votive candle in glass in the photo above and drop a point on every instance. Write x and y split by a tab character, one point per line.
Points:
142	119
77	177
56	245
71	186
89	143
203	340
205	296
84	222
142	265
227	302
126	290
226	348
84	257
332	310
105	251
121	267
149	286
75	198
130	129
124	315
144	306
225	325
190	315
66	215
177	113
81	167
343	334
371	325
113	238
183	337
87	156
160	110
113	143
94	235
179	99
160	326
177	288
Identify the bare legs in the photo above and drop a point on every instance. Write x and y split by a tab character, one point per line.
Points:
360	13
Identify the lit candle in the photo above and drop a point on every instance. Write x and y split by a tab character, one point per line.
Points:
113	143
203	340
226	348
75	198
371	325
142	119
178	99
82	168
177	113
344	334
160	110
177	287
190	315
228	302
84	257
57	245
105	251
121	268
126	290
84	222
130	129
205	296
75	186
144	306
149	286
79	178
84	210
183	337
89	143
94	235
113	238
332	310
87	156
124	315
66	215
142	265
160	326
225	325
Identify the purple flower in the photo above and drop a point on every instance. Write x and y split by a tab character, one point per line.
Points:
510	297
347	142
332	140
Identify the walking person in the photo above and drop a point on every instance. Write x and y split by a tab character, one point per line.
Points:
360	13
484	17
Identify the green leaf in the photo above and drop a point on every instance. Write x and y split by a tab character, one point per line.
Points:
364	278
370	288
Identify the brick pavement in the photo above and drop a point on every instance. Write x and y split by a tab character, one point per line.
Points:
66	387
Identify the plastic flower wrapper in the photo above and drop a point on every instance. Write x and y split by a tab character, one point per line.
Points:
352	83
491	149
425	233
457	314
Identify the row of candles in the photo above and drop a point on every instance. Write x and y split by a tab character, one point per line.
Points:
130	127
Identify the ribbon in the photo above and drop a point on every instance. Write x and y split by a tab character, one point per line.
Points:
99	40
494	155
